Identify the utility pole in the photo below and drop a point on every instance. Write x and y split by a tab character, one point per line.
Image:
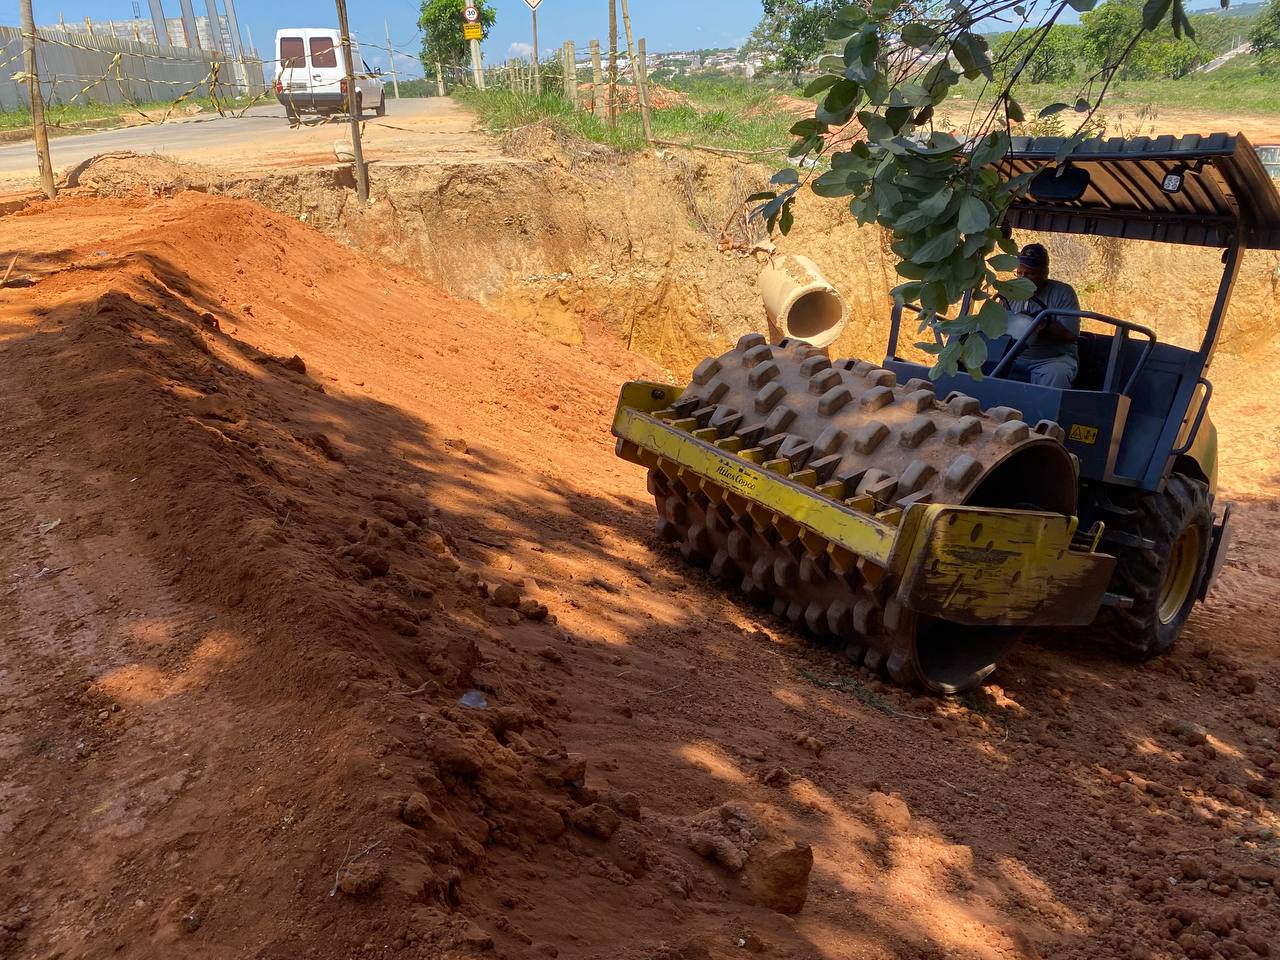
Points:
391	60
362	175
471	17
613	63
537	68
43	160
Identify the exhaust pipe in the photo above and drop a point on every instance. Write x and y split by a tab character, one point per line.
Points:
800	302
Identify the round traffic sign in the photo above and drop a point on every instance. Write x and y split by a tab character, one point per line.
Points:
471	14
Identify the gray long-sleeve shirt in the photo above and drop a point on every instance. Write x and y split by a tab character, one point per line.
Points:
1054	295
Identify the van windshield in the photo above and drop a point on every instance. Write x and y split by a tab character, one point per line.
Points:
292	53
323	53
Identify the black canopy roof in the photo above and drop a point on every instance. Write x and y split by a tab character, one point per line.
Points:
1225	191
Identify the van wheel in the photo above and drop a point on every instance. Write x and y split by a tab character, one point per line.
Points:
359	111
291	115
382	107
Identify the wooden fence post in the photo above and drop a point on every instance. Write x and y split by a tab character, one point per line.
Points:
595	77
642	88
571	72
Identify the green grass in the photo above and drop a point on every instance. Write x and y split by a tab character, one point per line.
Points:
726	116
1239	86
66	113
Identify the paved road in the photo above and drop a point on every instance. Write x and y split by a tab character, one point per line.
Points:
262	137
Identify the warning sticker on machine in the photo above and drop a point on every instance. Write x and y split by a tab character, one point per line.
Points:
1082	434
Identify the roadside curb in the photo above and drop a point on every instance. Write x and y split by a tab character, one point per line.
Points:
28	133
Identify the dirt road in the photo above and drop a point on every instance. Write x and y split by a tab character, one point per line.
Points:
262	137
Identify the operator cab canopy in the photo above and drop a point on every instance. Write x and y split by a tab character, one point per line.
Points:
1135	403
1209	191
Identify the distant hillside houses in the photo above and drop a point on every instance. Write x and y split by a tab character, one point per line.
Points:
725	60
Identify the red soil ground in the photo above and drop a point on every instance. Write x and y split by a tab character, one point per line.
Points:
267	506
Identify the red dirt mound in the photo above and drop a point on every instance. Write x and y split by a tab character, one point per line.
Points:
332	628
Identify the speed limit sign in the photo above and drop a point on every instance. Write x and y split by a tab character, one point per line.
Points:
471	14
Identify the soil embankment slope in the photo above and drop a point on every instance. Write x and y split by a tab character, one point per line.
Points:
333	628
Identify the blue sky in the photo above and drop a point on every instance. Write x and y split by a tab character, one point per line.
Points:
665	24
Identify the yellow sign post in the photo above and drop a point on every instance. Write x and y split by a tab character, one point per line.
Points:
472	31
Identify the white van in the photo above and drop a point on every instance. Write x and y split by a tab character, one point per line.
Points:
311	74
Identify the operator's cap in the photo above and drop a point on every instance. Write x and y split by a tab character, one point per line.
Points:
1034	255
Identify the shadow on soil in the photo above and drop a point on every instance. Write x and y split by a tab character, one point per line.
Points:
1078	807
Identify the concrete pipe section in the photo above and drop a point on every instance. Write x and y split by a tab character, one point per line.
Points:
800	302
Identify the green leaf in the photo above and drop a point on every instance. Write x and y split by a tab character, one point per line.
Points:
932	348
1181	22
974	216
933	296
788	217
876	126
897	117
837	106
912	271
1082	6
1019	288
1082	105
1051	109
1068	145
939	247
1153	12
822	83
974	354
762	195
993	319
807	127
991	148
786	175
1004	262
931	207
1014	110
877	88
834	183
906	292
918	35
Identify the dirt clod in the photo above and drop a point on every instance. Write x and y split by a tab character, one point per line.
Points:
597	819
360	879
777	874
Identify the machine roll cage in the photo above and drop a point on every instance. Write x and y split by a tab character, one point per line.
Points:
1209	191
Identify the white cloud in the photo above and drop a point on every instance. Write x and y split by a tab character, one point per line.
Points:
520	51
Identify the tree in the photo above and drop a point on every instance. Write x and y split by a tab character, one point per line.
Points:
792	34
1264	38
943	194
441	25
1055	60
1156	55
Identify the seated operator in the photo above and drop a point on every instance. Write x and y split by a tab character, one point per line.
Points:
1049	358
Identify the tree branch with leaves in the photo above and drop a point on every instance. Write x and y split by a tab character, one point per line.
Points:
942	194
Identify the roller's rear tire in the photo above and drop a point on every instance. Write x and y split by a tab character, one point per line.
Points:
1160	550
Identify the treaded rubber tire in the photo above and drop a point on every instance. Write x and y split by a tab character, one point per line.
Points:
1138	632
381	110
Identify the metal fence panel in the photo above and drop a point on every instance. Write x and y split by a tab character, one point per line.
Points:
92	68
